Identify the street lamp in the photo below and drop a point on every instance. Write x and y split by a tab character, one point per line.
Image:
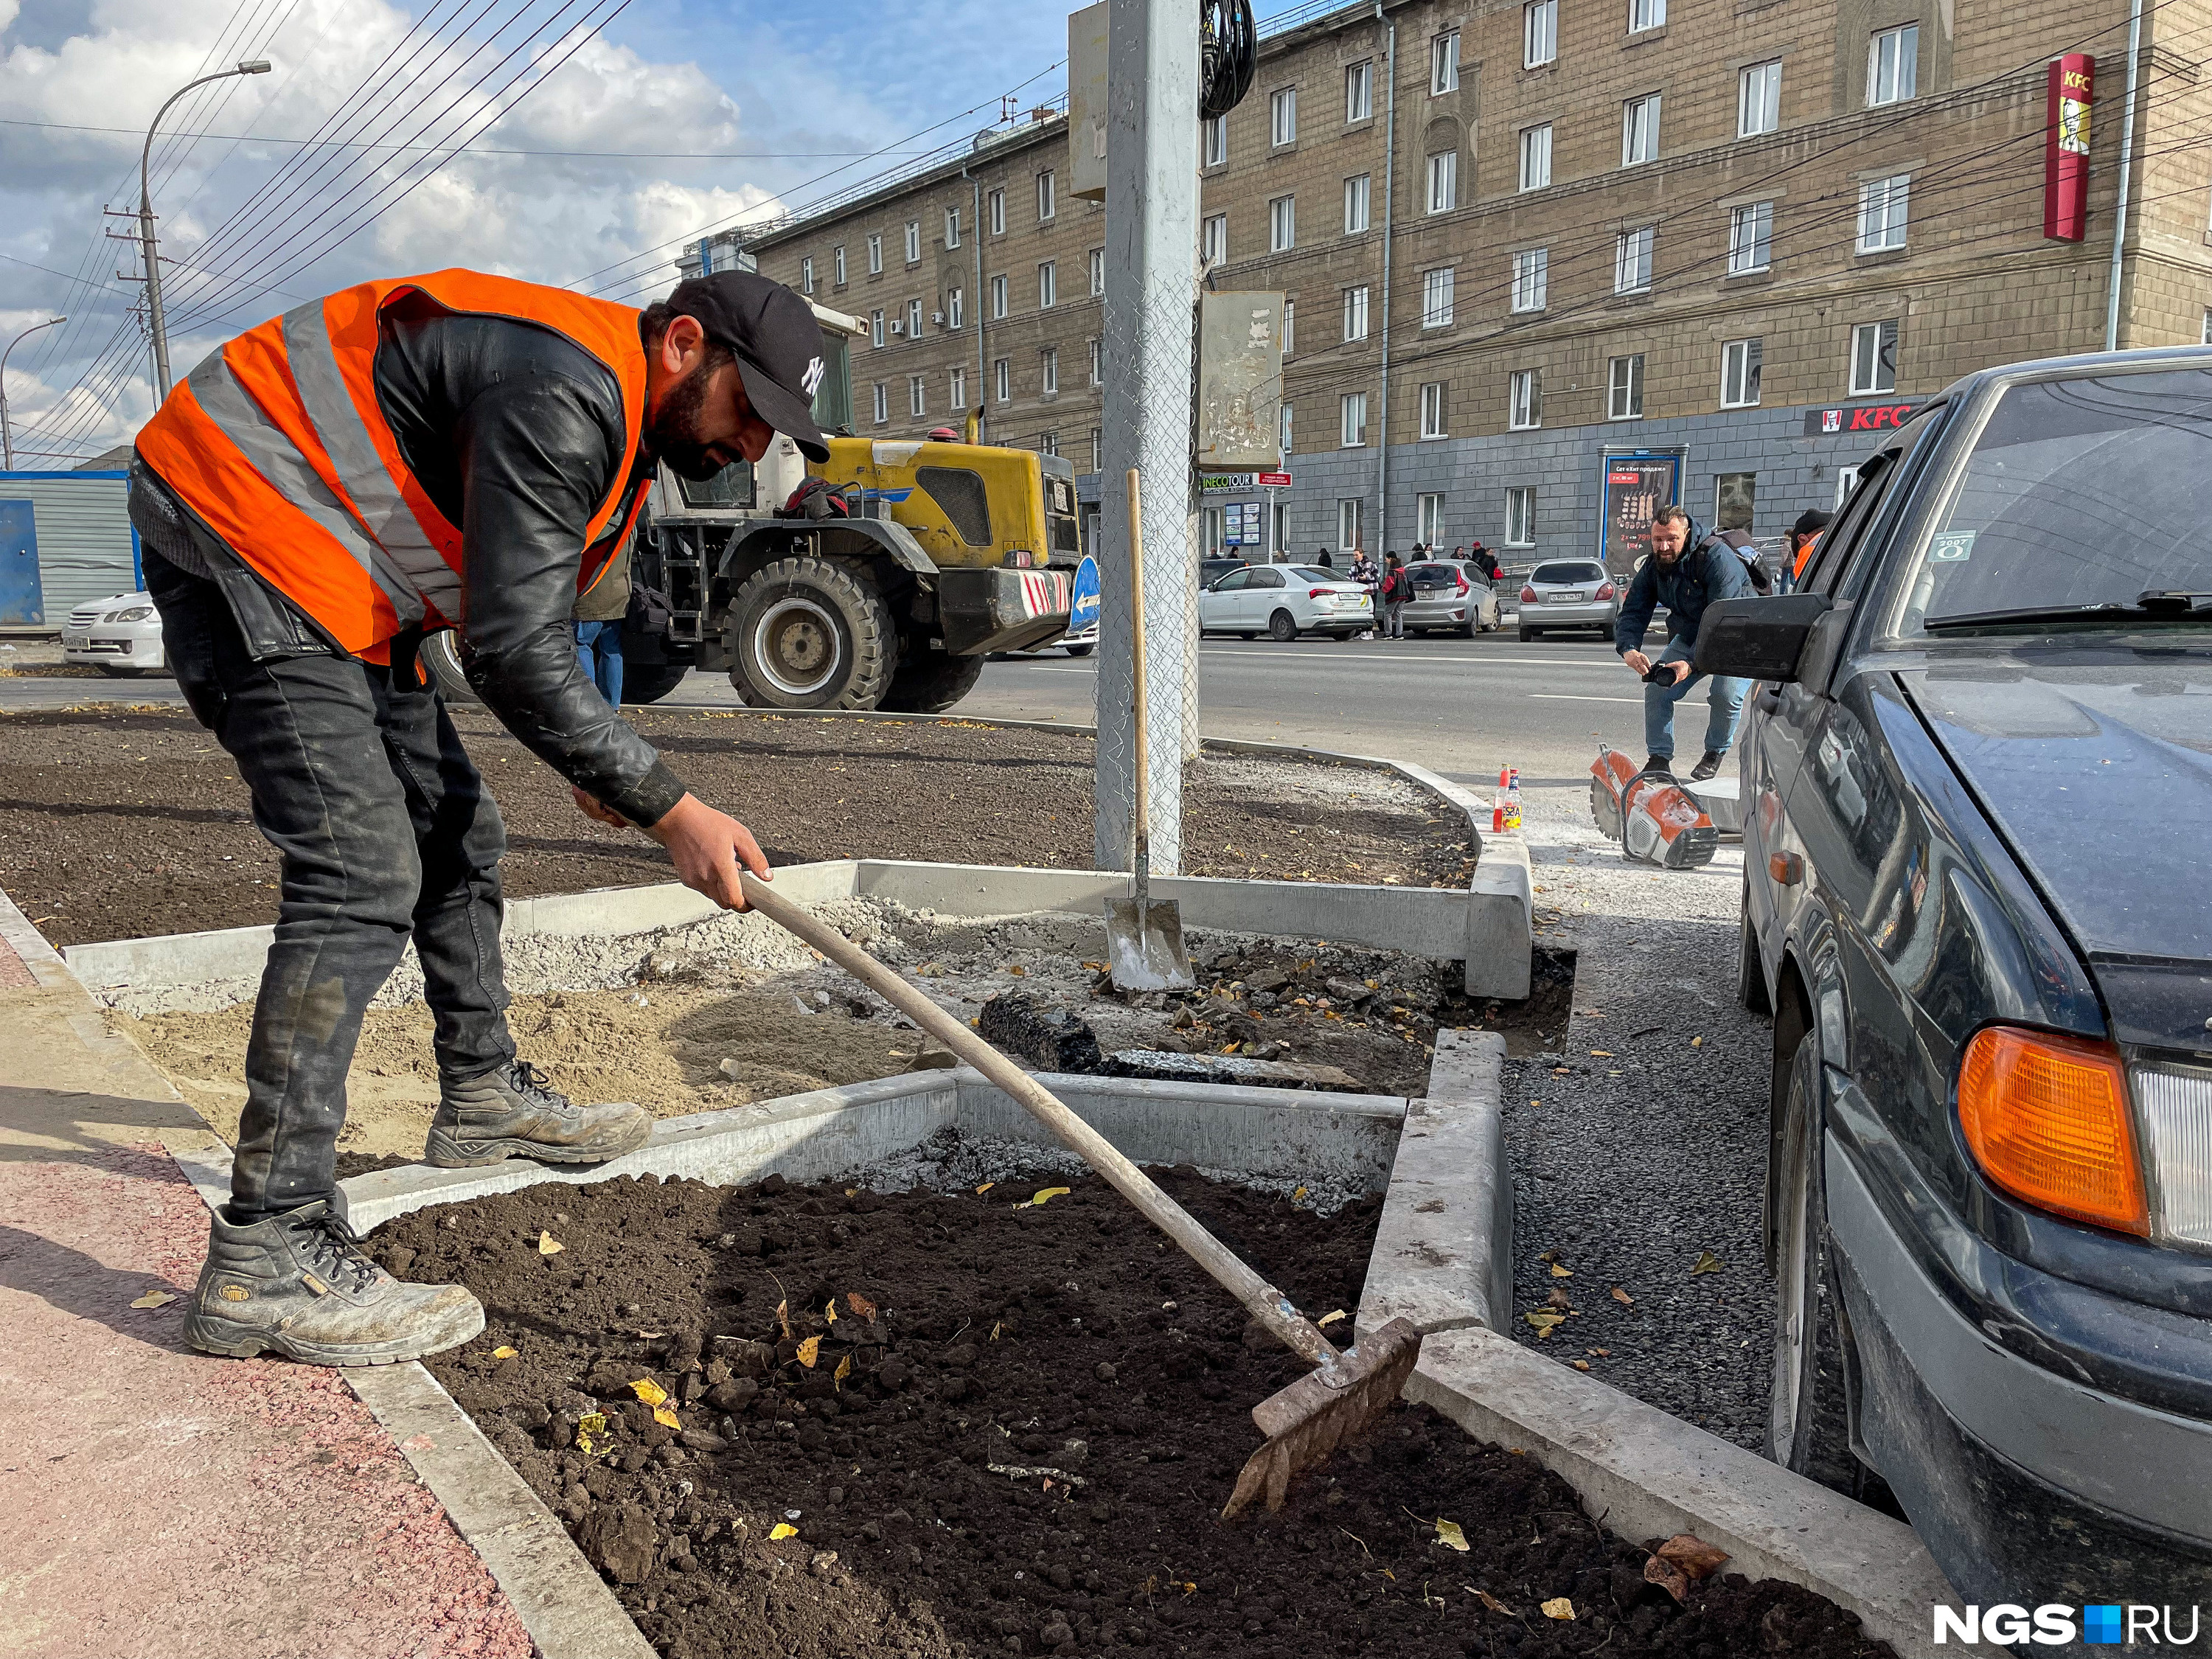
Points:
258	66
7	441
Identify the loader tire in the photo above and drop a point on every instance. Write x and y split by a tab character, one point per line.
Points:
930	682
809	632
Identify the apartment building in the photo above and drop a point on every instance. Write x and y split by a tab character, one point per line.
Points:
1550	264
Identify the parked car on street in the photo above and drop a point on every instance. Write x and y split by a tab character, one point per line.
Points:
1451	594
1284	601
1977	781
120	635
1569	594
1211	571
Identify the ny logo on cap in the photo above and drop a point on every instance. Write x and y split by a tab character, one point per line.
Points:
812	377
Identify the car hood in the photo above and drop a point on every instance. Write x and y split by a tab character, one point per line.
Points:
2095	761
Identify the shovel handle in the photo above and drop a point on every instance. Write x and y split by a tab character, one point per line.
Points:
1265	1303
1141	824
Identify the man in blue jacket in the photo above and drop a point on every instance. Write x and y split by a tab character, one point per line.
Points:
1687	572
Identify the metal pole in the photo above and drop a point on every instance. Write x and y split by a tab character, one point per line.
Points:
983	371
6	438
1389	208
154	316
1151	236
2127	163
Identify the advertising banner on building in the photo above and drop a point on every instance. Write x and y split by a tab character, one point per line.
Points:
1861	417
2066	148
1636	485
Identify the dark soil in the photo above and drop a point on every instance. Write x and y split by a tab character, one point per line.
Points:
124	823
1106	1379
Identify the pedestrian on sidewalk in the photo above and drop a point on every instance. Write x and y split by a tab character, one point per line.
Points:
1397	589
1686	571
452	451
1363	572
598	622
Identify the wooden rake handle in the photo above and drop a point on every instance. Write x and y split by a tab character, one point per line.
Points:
1265	1303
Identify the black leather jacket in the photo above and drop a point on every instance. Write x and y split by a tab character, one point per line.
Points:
516	435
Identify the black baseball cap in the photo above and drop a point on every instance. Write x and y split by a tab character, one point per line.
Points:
777	342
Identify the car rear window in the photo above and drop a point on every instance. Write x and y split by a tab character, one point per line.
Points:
1566	572
2078	492
1309	573
1431	575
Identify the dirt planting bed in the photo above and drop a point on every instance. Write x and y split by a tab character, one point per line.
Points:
1014	1436
122	823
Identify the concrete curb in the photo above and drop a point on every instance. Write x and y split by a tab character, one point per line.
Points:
45	964
1648	1474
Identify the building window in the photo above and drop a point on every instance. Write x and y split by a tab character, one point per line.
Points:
955	305
1428	520
1097	361
1758	100
1214	239
955	390
1536	156
1847	478
1282	224
1625	397
1894	65
1049	382
1097	271
1214	135
1045	199
1873	358
1355	314
876	329
883	403
875	256
1349	510
1740	362
1356	212
1646	15
1002	379
1751	238
1352	416
1532	270
1631	260
1882	213
1432	411
915	404
1289	325
1540	32
1282	116
998	298
1639	130
1520	515
2207	328
1443	64
996	205
1359	91
1283	429
806	275
1097	447
837	264
952	227
1047	285
914	320
1736	500
1524	400
1443	181
913	241
1437	298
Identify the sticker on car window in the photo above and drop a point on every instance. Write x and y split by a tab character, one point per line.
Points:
1951	547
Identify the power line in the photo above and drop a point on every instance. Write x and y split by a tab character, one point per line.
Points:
487	150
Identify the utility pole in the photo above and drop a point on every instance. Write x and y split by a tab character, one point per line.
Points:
158	323
1151	238
7	438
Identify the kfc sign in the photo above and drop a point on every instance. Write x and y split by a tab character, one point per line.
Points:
1868	418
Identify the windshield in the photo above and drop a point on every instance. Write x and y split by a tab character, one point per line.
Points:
1567	573
2077	494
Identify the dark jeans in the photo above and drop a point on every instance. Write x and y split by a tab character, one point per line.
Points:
600	649
387	832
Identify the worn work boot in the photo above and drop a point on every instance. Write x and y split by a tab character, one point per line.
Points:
297	1285
1660	763
1706	767
512	1112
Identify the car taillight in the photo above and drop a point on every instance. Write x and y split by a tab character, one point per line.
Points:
1605	592
1528	595
2046	1117
1319	592
1460	576
2175	1104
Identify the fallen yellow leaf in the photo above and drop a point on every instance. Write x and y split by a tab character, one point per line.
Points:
782	1529
649	1391
156	1299
783	1317
1602	1053
844	1370
1558	1607
1707	1263
1298	1195
1558	1272
549	1245
1623	1298
1544	1322
809	1350
985	1188
502	1353
1697	1043
1449	1533
1050	1193
666	1417
862	1307
830	1313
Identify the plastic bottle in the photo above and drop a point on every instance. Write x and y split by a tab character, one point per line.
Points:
1513	797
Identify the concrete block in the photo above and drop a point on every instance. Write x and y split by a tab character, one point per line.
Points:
1443	1248
1651	1474
1500	920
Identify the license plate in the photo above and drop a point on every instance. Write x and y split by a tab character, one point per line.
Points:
1563	599
75	641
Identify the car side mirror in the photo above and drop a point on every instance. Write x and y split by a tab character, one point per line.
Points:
1758	639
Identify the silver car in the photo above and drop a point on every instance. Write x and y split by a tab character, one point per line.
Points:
119	635
1569	594
1451	594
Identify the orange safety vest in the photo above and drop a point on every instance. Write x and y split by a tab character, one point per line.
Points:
277	442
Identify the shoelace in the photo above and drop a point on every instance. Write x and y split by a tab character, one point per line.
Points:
535	1086
332	1247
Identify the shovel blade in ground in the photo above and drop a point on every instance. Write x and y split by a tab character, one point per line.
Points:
1310	1420
1144	945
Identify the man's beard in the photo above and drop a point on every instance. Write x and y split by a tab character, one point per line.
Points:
671	432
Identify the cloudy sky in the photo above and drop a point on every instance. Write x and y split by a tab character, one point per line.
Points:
783	101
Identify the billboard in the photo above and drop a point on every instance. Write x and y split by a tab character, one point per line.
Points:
2066	147
1636	484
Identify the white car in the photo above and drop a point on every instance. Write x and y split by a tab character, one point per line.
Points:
119	635
1284	601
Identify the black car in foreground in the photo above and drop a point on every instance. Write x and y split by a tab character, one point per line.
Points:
1977	777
